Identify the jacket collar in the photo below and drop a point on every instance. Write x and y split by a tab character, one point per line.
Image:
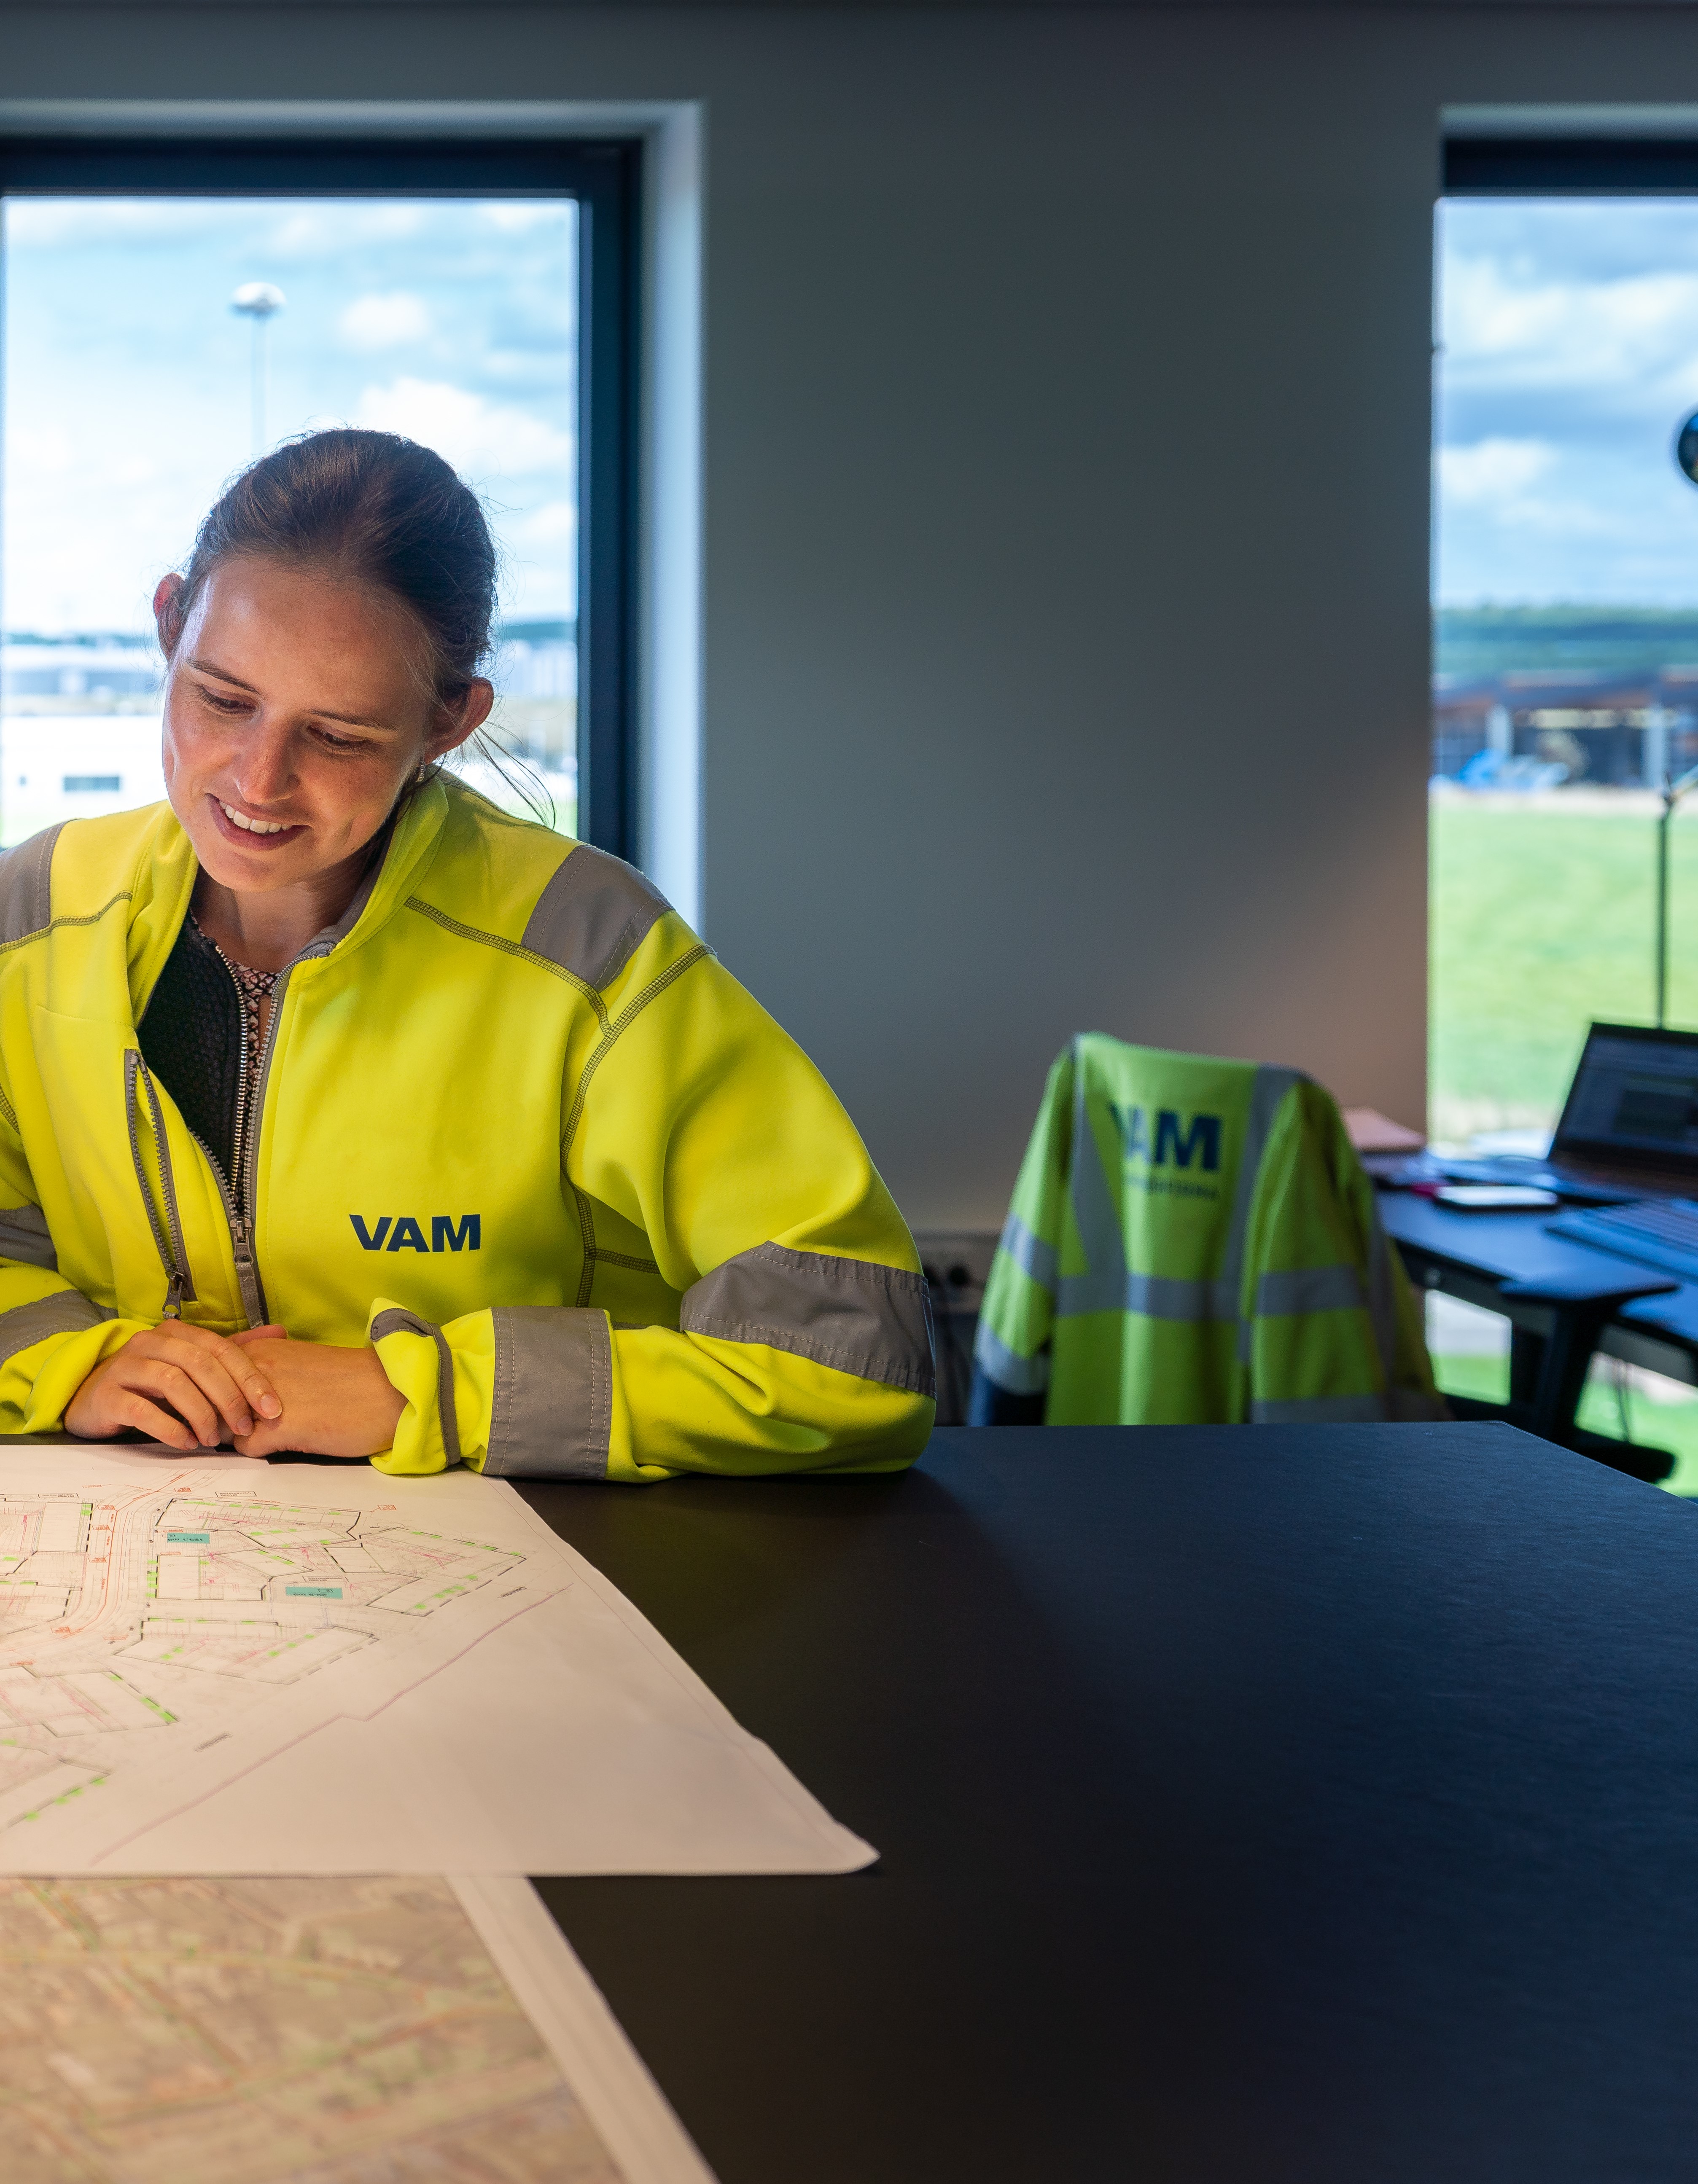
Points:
163	888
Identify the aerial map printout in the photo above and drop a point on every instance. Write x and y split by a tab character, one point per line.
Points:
222	1665
321	2031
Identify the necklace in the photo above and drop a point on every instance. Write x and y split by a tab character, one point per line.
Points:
254	989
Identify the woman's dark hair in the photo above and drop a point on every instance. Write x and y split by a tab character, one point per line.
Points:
374	510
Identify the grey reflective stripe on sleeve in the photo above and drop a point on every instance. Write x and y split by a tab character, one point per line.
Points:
1309	1288
66	1312
1320	1410
553	1413
1095	1214
592	916
397	1322
1267	1096
26	887
23	1236
852	1314
1157	1297
1019	1376
1034	1257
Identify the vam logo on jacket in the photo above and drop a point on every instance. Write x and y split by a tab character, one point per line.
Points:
405	1233
1201	1142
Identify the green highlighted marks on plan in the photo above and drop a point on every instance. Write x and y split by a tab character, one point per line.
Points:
146	1618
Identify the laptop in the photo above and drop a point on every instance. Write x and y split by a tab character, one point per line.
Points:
1629	1126
1625	1154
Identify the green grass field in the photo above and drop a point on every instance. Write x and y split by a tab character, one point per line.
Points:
1542	920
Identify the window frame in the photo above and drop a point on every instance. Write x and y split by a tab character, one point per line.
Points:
1572	165
604	174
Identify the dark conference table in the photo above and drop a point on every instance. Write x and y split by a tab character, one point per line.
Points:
1256	1803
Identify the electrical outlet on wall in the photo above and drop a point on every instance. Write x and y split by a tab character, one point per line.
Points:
957	1266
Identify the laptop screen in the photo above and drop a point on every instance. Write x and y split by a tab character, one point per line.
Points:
1634	1097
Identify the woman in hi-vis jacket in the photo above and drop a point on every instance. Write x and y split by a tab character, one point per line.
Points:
341	1112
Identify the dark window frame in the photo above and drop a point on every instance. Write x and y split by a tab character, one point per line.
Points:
1574	165
604	174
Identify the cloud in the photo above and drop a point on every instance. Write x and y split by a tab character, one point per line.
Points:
483	439
376	321
1492	471
553	524
127	377
328	228
1531	323
516	216
69	223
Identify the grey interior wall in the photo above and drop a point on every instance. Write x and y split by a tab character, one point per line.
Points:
1066	448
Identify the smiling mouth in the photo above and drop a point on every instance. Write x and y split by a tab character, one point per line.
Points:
261	832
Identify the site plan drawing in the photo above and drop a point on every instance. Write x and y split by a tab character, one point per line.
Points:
323	2031
227	1665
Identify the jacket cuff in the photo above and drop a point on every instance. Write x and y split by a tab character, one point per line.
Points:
417	1355
551	1412
48	1347
519	1391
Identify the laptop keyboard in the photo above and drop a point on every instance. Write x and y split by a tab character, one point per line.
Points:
1658	1232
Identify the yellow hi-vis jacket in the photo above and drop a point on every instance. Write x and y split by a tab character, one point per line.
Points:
1192	1240
601	1217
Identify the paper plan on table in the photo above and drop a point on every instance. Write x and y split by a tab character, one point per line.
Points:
325	2030
218	1665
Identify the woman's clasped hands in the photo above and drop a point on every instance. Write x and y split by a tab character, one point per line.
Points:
257	1392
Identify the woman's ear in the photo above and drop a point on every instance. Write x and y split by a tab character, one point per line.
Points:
454	722
168	618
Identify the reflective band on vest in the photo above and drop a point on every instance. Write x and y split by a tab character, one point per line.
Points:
1309	1288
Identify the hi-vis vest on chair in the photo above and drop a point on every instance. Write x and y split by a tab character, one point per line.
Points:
1193	1240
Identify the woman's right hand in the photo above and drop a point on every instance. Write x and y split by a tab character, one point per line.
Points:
211	1384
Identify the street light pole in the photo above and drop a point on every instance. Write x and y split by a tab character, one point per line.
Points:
260	302
1672	791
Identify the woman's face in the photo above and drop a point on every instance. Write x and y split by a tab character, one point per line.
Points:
295	709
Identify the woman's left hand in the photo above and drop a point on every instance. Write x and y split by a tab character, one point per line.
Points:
336	1402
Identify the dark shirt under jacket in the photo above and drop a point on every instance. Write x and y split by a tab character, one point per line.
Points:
190	1038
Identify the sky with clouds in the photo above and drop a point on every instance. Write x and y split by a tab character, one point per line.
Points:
126	375
1568	360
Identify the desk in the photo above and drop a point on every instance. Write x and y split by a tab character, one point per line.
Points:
1468	1254
1256	1802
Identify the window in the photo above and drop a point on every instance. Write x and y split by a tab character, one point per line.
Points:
172	306
1566	623
1565	656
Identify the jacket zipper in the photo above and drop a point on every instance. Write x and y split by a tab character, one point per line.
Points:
238	1211
168	1233
249	1150
240	1240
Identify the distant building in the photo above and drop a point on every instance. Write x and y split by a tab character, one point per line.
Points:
87	667
1616	730
537	659
532	659
1605	695
81	724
